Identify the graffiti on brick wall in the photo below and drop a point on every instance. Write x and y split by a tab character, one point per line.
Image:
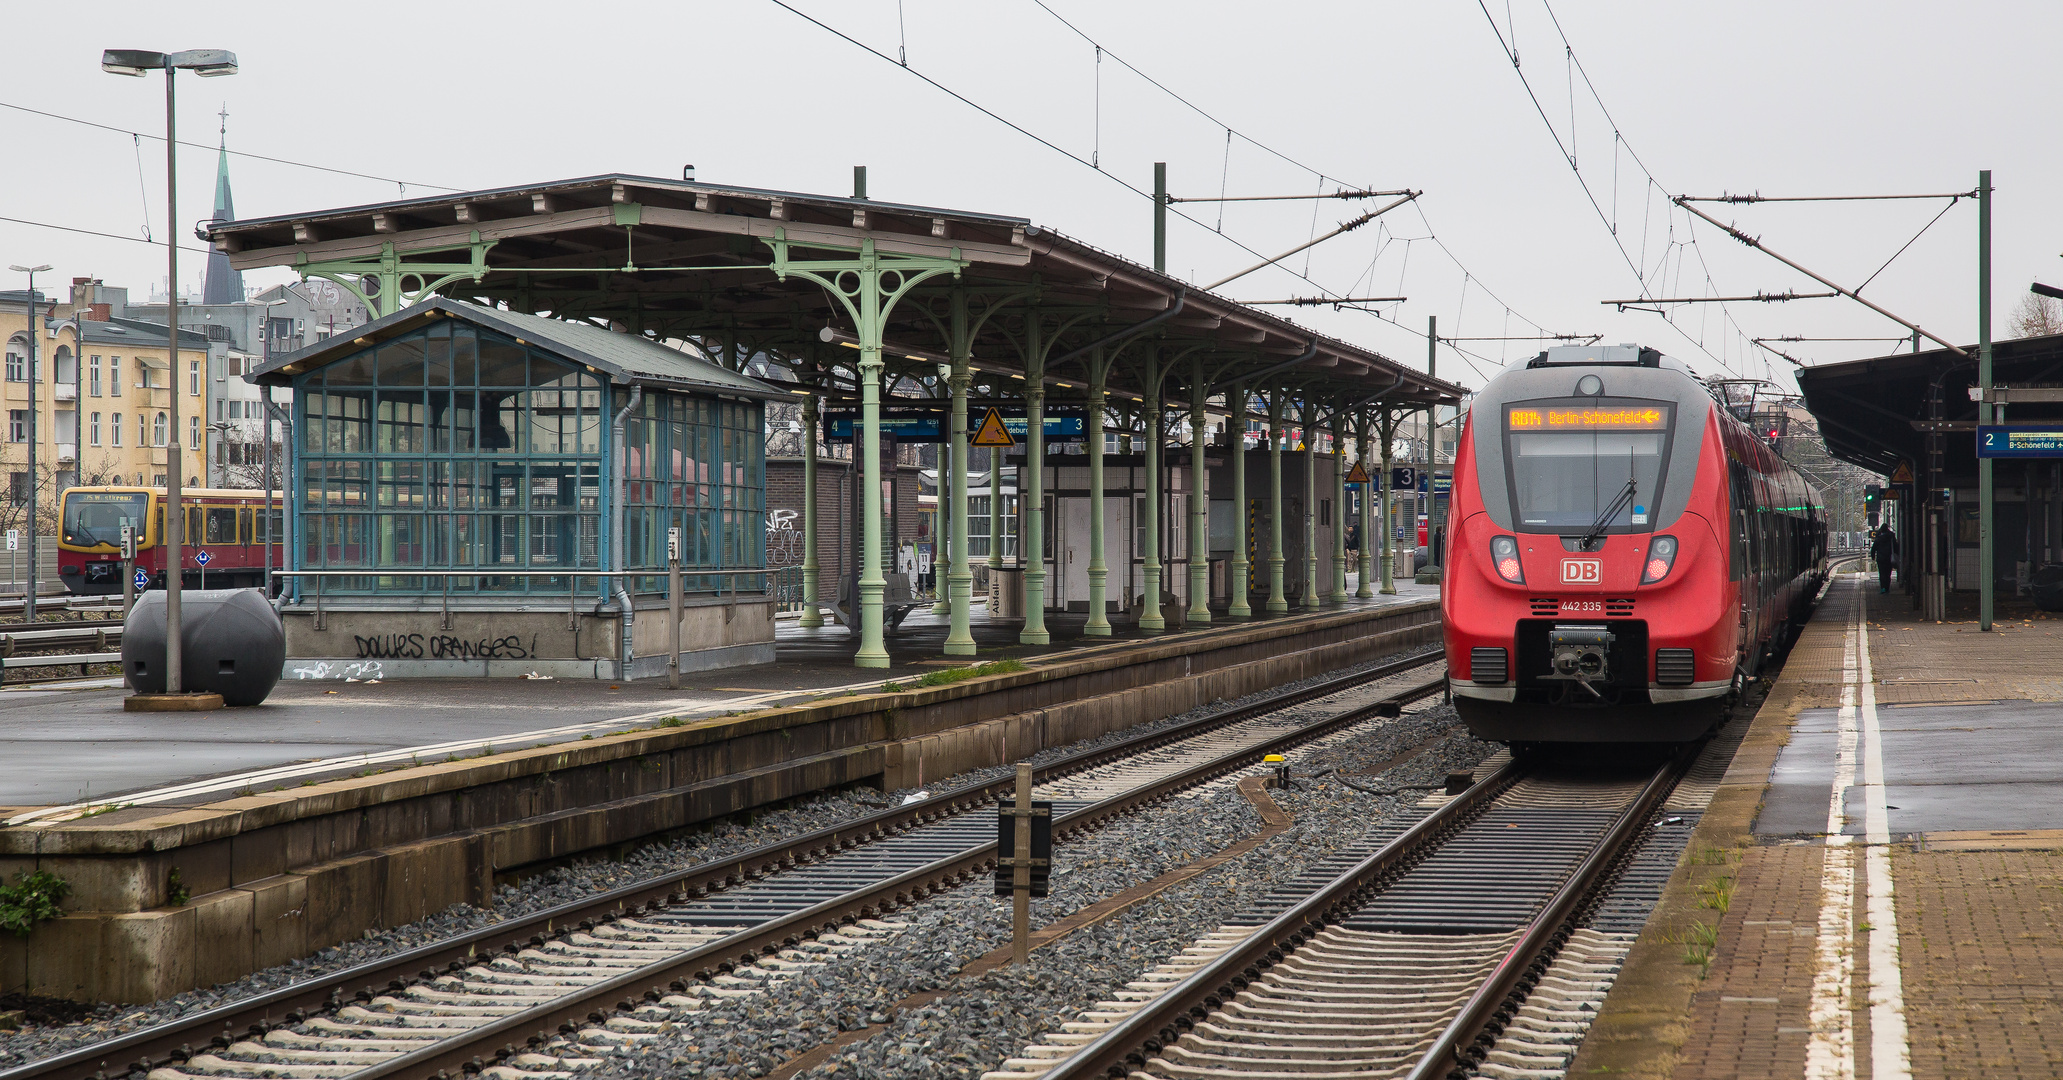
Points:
783	537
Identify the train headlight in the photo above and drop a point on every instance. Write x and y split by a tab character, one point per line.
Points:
1504	554
1661	556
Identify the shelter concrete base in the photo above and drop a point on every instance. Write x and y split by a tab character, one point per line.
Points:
417	639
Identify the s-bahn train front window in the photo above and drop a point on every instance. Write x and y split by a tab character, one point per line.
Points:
97	517
1578	466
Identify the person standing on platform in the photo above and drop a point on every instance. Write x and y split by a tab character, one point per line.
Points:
1884	549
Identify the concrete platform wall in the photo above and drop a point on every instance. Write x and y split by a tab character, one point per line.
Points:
167	901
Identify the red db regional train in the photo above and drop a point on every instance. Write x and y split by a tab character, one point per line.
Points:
1626	553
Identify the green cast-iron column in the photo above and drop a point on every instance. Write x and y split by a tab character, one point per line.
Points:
1200	502
1276	603
960	574
856	283
1235	426
1339	506
1033	542
1099	569
1310	507
942	515
1366	589
1150	619
1387	570
811	617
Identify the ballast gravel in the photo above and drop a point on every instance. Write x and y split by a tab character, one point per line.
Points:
977	1022
747	1038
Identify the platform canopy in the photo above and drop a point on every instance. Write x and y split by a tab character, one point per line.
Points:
1878	412
705	262
855	301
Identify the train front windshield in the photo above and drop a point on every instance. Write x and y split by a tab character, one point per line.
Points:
97	517
1587	463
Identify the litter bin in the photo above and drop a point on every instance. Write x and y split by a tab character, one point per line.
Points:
1006	592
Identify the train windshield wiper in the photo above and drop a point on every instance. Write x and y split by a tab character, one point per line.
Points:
1604	520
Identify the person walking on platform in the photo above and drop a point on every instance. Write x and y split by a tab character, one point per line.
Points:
1884	549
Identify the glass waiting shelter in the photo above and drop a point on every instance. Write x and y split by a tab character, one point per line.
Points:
497	446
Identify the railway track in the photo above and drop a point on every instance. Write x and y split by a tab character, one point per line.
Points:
1446	946
533	996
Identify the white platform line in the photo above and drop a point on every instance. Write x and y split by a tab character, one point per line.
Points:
1890	1048
1830	1052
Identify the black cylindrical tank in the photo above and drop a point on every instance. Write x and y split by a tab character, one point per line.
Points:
232	643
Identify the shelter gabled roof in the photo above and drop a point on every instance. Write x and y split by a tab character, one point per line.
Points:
684	259
1873	412
622	358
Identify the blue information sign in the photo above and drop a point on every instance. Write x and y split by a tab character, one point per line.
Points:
142	579
1442	485
2020	440
927	425
202	557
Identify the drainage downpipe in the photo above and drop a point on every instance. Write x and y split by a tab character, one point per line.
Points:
637	393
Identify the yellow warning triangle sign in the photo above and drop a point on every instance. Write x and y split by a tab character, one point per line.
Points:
1357	475
1903	474
992	432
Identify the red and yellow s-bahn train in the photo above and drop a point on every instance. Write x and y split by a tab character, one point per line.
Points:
227	523
1625	553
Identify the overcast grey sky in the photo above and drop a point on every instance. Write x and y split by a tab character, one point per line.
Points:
1781	98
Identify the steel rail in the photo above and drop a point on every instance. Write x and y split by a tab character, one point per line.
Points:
153	1046
589	1004
1453	1048
1124	1048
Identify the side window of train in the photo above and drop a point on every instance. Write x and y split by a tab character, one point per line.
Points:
221	525
1737	546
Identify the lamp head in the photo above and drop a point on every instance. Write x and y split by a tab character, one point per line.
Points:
29	269
206	63
130	61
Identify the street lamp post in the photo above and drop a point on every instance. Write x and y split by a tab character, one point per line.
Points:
205	63
28	609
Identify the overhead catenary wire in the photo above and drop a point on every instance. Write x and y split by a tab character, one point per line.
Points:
1230	133
96	232
232	153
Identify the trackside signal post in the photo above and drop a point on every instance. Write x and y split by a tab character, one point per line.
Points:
1024	859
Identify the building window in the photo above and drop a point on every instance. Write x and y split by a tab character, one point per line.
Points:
193	432
93	377
157	480
18	488
193	378
93	429
115	420
17	361
221	409
17	425
114	377
158	434
978	525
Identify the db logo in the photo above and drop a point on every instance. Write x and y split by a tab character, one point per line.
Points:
1583	571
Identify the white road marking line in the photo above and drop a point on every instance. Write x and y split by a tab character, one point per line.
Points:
1890	1046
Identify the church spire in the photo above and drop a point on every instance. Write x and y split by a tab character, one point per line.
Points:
222	285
